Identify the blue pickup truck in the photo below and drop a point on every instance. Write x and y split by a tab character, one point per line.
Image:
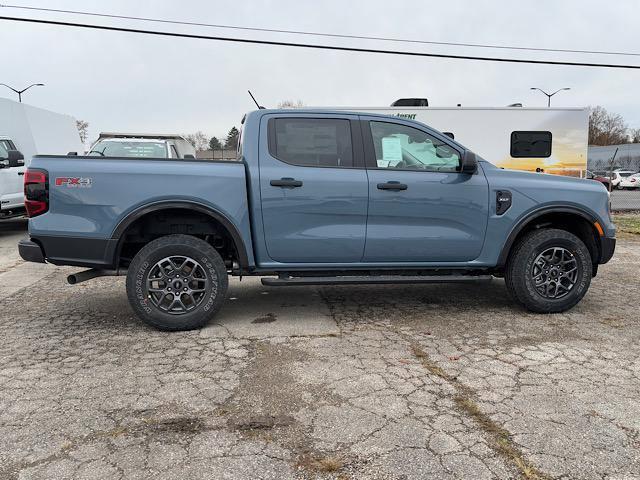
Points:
316	197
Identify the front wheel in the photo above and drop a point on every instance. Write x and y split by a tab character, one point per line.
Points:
549	271
177	282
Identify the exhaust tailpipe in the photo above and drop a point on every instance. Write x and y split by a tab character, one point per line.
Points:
85	275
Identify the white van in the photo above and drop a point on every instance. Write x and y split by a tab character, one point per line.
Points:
31	131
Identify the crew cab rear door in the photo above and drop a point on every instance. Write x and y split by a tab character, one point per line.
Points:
421	209
313	187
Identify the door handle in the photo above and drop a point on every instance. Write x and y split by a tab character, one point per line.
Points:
20	173
286	182
392	186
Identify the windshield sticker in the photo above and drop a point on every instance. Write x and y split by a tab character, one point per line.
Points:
391	152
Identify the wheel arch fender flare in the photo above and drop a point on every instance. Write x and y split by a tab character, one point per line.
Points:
143	210
531	217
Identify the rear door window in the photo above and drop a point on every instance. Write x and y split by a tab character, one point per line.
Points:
311	142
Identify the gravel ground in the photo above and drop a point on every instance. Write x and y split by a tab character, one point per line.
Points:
367	382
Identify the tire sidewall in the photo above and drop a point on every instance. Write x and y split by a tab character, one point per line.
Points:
582	283
147	258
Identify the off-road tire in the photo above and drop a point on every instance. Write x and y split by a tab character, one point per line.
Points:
519	278
213	280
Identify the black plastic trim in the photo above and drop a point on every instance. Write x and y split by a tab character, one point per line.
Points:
30	251
77	251
374	279
607	247
243	259
504	253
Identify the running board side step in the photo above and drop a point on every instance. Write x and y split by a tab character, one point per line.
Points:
381	279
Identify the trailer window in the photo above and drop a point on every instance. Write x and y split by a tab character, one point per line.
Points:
530	144
311	142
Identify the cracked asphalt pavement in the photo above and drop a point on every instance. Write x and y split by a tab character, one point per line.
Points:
364	382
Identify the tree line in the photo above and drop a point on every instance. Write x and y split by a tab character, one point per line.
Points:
607	128
200	141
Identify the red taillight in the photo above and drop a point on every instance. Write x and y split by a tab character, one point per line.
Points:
36	192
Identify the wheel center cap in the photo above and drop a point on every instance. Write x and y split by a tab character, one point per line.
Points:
177	284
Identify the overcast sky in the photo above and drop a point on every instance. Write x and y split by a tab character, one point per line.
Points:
131	82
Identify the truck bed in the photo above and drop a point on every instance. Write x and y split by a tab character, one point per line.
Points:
91	196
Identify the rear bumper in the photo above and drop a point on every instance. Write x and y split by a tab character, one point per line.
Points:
30	251
74	251
607	247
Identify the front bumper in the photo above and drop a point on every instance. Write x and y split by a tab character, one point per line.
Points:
607	247
30	251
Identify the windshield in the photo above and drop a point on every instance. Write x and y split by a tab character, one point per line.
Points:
130	148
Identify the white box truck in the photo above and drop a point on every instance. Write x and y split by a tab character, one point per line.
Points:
32	131
553	140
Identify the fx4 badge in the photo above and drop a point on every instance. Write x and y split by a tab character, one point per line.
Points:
73	182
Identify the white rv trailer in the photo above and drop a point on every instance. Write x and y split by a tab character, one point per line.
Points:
32	131
551	139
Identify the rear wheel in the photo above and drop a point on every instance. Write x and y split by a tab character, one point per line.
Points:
177	282
549	271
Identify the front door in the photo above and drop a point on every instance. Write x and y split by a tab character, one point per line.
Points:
314	188
421	209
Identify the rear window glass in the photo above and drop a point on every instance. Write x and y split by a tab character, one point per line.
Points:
531	144
312	142
110	148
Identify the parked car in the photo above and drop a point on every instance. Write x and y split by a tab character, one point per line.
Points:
140	145
622	179
318	197
30	131
599	177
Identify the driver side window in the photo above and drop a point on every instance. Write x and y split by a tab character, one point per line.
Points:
407	148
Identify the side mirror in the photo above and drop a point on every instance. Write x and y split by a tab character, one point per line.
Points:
189	156
15	158
469	163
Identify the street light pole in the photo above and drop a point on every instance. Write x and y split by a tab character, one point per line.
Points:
549	95
20	92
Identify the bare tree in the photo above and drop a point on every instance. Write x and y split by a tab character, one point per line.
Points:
606	128
199	140
634	135
83	129
290	104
